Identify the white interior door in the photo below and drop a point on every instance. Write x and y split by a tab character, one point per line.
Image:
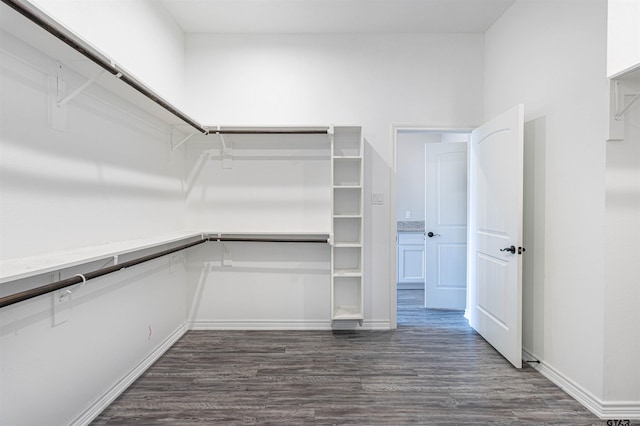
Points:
495	233
446	225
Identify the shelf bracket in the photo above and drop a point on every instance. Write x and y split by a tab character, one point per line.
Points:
226	255
176	146
621	112
227	153
80	89
617	108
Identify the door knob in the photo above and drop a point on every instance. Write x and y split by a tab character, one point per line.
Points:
431	235
511	249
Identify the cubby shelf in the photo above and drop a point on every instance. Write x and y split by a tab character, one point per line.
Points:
347	273
347	225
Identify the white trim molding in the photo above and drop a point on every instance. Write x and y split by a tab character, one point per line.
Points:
320	325
627	410
259	325
100	404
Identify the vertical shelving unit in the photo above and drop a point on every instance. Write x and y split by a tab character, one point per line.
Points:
347	224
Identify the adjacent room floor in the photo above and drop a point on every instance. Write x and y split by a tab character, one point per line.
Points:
433	369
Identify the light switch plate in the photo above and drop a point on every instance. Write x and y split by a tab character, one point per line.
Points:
377	199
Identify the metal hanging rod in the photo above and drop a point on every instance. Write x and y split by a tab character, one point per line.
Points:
83	278
77	279
269	240
50	25
268	132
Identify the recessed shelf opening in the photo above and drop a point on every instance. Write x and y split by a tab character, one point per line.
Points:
347	201
348	297
347	260
346	172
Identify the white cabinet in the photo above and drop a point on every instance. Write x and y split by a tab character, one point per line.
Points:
347	224
411	261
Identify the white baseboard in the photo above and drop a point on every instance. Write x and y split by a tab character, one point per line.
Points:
410	286
627	410
288	325
103	402
376	325
260	325
621	410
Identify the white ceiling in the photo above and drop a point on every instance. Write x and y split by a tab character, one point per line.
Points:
336	16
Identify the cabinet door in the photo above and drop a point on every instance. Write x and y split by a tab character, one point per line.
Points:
410	263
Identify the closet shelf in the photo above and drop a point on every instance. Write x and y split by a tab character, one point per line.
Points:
345	273
348	313
20	268
15	269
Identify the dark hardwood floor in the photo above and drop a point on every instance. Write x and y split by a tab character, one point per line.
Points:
433	369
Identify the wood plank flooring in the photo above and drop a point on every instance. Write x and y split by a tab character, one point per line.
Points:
433	369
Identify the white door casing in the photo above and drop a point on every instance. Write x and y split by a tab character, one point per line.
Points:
446	220
495	230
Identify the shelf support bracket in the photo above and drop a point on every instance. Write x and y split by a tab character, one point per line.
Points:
621	112
227	153
57	88
176	146
618	92
80	89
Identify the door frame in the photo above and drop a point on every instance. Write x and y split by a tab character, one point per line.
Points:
393	225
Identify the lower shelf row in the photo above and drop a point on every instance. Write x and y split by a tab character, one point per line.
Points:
347	298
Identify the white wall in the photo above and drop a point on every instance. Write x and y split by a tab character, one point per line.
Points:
622	264
56	374
272	183
139	36
550	55
410	174
109	177
259	286
369	80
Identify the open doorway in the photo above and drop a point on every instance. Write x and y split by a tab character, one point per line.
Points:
431	217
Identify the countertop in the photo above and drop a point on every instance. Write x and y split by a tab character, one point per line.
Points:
411	226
